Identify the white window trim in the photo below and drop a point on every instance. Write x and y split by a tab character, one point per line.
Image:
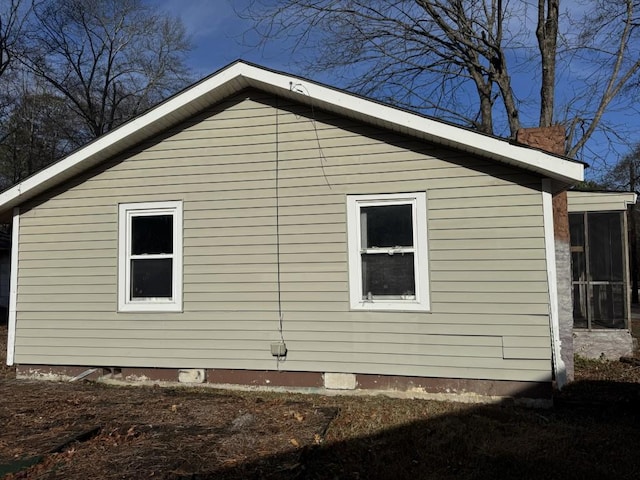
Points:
125	212
421	263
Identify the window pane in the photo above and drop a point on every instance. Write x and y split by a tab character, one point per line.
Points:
580	306
607	304
578	257
578	266
387	226
605	247
151	278
387	275
151	234
576	228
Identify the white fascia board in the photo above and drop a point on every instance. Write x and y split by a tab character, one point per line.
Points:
585	201
457	137
114	142
212	89
632	199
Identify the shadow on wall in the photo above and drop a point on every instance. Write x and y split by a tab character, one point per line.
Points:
592	432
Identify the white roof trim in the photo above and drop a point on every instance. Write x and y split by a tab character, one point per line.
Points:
599	201
239	75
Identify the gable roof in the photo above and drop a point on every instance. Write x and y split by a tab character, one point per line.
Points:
240	75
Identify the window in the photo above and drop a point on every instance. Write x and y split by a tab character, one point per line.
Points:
150	257
598	270
388	251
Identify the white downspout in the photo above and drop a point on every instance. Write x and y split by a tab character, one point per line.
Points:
13	287
559	368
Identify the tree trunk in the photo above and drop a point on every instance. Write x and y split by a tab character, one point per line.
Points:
547	35
504	84
483	87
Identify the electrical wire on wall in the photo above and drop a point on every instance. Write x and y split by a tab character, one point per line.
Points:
300	88
281	348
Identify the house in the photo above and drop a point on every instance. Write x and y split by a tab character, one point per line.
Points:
600	273
263	229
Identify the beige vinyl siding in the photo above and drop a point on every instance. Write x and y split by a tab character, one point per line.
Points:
489	298
599	201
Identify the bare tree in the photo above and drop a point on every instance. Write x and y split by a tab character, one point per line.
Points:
37	132
455	59
419	54
606	49
13	16
547	36
624	176
110	59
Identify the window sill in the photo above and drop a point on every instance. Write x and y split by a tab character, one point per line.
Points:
149	307
391	306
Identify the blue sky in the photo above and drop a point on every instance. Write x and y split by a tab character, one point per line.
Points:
219	38
218	35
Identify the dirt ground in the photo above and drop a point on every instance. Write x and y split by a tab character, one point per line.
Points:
85	430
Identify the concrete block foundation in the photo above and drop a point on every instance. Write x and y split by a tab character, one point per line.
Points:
607	344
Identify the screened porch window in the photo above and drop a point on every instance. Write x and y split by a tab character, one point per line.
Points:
598	269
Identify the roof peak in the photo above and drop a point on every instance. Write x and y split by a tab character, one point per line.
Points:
241	74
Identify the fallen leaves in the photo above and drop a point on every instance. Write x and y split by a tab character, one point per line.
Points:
145	431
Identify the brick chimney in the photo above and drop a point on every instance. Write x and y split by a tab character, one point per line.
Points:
552	140
549	139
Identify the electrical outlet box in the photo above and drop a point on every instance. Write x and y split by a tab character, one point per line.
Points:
278	349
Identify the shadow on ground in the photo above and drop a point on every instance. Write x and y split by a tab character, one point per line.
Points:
592	432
